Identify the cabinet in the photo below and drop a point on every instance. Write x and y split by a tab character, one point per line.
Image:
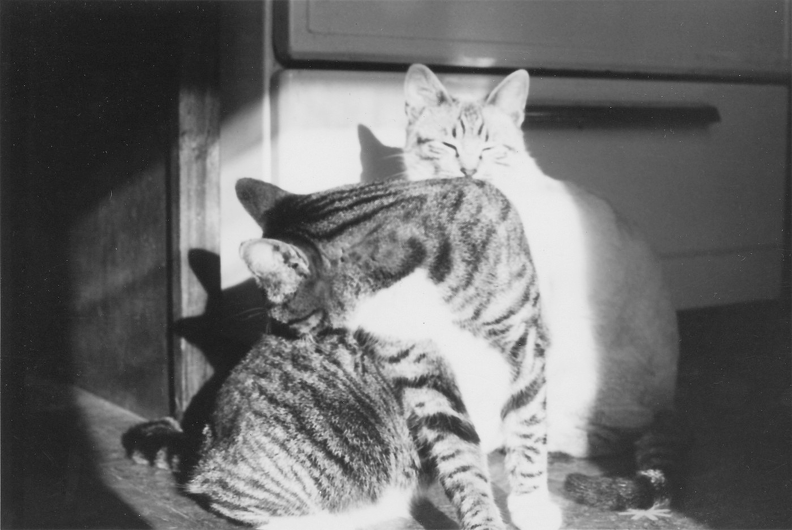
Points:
736	38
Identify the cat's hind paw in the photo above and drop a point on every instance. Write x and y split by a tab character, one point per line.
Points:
534	512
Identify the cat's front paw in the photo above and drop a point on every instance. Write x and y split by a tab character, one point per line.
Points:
534	512
156	443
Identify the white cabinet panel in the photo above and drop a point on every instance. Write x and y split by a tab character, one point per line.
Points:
709	199
699	37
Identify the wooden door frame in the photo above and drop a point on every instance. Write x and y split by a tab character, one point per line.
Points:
194	188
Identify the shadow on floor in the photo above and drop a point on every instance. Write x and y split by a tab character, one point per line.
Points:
62	485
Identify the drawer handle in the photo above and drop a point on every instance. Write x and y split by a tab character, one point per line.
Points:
622	115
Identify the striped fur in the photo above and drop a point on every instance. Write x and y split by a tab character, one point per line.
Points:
304	427
304	433
429	273
612	361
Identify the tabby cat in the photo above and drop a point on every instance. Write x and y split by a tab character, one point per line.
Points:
305	432
612	358
436	278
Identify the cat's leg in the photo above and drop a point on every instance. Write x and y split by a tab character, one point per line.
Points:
445	436
525	443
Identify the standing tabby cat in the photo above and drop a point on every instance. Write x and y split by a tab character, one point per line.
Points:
436	278
612	359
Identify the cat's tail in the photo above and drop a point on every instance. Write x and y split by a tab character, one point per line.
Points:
160	443
659	455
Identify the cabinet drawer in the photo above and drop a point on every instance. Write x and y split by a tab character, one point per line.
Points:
708	197
695	37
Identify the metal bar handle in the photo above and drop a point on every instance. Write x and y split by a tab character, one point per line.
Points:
619	115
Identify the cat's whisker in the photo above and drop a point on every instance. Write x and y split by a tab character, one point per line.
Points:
248	318
400	154
402	175
250	310
246	315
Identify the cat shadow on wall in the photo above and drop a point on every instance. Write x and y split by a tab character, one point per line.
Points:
378	161
205	331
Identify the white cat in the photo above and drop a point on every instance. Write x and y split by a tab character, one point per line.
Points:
612	362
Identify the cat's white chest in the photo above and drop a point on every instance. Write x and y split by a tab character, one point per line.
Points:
413	310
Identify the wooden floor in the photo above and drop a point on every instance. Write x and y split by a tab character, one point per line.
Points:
734	387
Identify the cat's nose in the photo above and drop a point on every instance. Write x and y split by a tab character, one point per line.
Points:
468	171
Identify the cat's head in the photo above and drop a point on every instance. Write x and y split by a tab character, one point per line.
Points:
448	137
321	254
290	270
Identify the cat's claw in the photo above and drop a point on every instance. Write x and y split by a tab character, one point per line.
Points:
534	512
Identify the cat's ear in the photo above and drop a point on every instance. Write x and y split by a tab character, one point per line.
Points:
279	268
511	95
258	196
422	89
